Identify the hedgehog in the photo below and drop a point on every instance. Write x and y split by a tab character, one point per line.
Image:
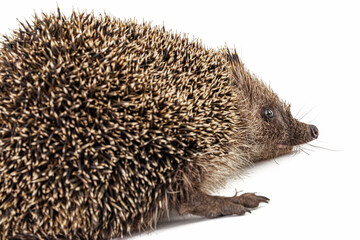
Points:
107	124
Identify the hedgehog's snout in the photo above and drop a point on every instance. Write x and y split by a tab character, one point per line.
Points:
314	132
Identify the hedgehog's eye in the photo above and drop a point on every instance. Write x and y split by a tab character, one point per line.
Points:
269	113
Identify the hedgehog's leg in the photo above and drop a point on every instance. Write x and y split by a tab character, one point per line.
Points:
202	204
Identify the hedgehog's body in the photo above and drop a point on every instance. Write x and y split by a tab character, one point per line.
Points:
106	124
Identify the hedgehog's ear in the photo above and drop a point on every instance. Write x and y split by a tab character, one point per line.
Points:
240	76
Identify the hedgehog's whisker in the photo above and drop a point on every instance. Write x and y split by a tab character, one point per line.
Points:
297	114
307	149
303	150
304	115
324	148
312	120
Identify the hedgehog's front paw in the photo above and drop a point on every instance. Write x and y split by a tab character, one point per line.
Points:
216	206
249	200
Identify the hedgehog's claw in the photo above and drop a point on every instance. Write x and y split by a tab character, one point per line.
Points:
249	200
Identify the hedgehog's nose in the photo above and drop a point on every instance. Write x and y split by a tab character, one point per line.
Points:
314	132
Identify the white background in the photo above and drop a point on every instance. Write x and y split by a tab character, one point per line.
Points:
310	53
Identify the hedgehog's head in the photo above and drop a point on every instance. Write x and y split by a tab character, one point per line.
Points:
276	131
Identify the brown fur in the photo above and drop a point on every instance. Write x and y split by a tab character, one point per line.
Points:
106	125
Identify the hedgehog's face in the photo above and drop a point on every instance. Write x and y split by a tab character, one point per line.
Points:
275	130
279	130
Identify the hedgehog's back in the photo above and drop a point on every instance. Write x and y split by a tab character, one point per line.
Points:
96	117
